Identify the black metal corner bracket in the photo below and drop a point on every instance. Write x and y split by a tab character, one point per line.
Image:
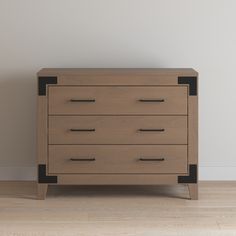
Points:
42	83
42	176
191	178
191	81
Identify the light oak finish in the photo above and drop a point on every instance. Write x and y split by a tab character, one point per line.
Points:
118	210
149	159
193	191
93	100
42	191
122	76
117	130
42	124
110	110
128	72
117	179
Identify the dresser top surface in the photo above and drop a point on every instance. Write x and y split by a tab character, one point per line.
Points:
116	71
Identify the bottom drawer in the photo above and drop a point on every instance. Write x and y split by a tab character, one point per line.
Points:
117	159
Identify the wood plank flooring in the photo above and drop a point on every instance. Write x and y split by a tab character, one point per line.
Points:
118	210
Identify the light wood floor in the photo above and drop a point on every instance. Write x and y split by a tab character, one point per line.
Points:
129	211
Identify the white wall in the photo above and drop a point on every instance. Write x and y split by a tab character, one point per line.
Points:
118	33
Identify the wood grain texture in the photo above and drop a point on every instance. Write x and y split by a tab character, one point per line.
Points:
117	179
118	80
119	100
193	140
117	159
118	210
42	191
117	71
118	130
117	120
42	130
193	191
122	76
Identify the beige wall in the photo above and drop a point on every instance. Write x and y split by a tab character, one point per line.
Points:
118	33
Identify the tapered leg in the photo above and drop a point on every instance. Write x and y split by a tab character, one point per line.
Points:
193	191
42	191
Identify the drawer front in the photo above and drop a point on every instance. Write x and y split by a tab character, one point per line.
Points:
68	159
117	129
77	100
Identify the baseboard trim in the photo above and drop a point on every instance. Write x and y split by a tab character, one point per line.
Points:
215	173
211	173
18	173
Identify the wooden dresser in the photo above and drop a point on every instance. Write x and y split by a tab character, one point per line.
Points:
117	127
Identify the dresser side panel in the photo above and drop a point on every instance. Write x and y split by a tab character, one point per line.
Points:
42	130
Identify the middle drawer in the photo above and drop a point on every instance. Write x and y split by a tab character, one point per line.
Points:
117	129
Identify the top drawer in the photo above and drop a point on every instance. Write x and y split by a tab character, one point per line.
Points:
88	100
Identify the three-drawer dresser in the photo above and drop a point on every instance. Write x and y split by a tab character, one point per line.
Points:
117	127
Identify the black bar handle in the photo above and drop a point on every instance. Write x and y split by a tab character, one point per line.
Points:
82	100
152	130
82	159
151	159
82	130
152	100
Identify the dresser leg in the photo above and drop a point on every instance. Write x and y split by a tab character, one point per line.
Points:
193	191
42	191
